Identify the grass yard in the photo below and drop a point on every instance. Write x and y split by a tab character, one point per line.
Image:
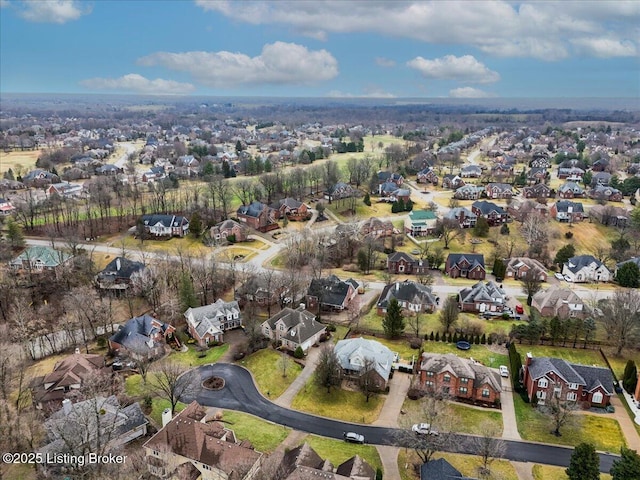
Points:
337	451
339	404
574	355
618	363
266	367
133	386
19	160
339	334
479	352
187	245
159	404
465	464
23	471
467	419
192	357
400	345
241	254
548	472
604	432
264	436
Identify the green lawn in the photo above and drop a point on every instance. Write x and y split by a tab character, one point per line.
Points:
339	334
479	352
266	367
264	436
466	419
465	464
133	386
618	363
400	345
340	404
193	358
159	404
337	451
605	433
547	472
574	355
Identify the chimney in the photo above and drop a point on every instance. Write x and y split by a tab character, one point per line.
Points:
166	417
302	307
66	406
118	265
529	358
397	286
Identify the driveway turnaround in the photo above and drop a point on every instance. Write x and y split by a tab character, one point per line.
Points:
240	393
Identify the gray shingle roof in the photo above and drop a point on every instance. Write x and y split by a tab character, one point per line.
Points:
210	317
483	292
330	290
352	352
300	324
408	291
563	206
587	376
135	335
577	263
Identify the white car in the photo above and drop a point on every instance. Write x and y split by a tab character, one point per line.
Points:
558	276
424	429
353	437
504	371
568	278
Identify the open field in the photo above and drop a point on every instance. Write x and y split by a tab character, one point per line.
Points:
19	161
264	436
266	367
340	404
604	432
337	451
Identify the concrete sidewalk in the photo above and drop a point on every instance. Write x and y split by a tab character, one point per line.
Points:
289	394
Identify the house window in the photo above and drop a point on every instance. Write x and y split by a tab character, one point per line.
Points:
401	268
429	383
542	383
572	397
429	374
464	380
541	395
281	327
485	393
597	397
447	378
573	386
463	390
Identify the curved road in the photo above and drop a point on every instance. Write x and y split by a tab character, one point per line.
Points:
241	394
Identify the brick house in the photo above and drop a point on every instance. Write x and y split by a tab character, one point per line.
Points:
208	323
292	209
602	192
560	302
520	268
386	177
339	191
494	214
537	175
465	217
499	190
570	173
118	274
461	378
452	181
570	190
403	263
465	265
547	376
427	175
258	216
192	446
229	228
471	171
376	228
331	293
142	338
294	328
468	192
567	211
540	190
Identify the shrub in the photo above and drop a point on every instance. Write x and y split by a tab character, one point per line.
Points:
331	327
437	336
504	230
431	337
101	341
299	353
568	235
415	344
483	339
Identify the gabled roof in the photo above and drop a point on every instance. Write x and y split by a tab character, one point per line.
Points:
635	260
209	317
48	256
135	335
564	205
461	368
357	468
408	291
555	296
352	353
254	209
577	263
588	376
418	215
300	324
488	207
474	259
488	292
120	267
330	290
440	469
166	221
454	213
570	187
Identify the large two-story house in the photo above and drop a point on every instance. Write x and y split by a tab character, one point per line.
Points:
494	214
142	338
499	190
602	192
411	296
161	225
482	297
570	190
331	293
567	211
520	268
294	328
403	263
291	209
559	302
465	265
540	190
465	217
468	192
208	323
585	268
420	223
545	377
258	216
118	275
355	353
461	378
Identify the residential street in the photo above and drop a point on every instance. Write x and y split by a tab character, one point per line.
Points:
240	394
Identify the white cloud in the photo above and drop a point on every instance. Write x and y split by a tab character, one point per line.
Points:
278	63
542	30
385	62
450	67
4	3
51	11
469	92
139	84
605	47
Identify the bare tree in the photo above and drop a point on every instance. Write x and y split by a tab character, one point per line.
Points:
284	362
488	446
449	314
530	286
328	371
621	317
448	230
367	382
560	411
173	382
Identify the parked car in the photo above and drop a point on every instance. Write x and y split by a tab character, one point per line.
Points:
558	276
519	309
424	429
504	371
353	437
567	278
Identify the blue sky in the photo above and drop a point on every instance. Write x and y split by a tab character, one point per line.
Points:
321	48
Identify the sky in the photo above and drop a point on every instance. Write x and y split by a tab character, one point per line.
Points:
322	48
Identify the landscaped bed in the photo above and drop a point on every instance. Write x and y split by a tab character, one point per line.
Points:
266	367
339	404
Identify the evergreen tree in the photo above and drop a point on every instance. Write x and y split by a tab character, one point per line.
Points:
564	254
630	376
367	199
627	467
628	275
14	234
187	294
482	227
393	323
584	463
195	225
